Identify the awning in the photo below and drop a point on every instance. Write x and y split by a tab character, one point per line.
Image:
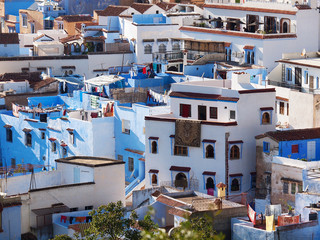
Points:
50	210
52	139
180	169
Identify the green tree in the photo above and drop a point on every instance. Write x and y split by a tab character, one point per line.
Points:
62	237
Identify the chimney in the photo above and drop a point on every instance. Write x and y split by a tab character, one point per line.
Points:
221	190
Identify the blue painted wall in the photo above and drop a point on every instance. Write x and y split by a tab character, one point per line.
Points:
12	6
285	148
11	223
199	70
150	19
85	6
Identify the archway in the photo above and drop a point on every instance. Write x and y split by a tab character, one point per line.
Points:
181	180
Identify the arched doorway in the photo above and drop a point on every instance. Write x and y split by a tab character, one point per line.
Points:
265	118
210	186
181	180
154	179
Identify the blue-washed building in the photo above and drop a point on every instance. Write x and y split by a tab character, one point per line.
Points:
56	127
129	132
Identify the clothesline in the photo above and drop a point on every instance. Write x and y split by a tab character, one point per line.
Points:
70	219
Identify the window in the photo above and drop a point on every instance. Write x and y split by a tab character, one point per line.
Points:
295	148
176	47
148	49
214	112
88	207
235	185
126	126
130	164
64	151
266	118
289	74
162	48
180	151
9	134
43	135
185	110
232	114
210	183
120	157
73	209
202	112
270	24
181	180
285	187
13	162
28	139
282	108
293	188
306	75
154	147
266	147
287	109
209	151
300	188
71	137
24	20
53	146
154	179
234	152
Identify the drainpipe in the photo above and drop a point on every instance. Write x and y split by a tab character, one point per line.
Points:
227	134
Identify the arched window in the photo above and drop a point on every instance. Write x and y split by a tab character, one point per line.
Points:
176	47
219	23
147	49
209	183
154	147
234	152
181	180
28	139
235	185
162	48
70	72
209	151
265	118
154	179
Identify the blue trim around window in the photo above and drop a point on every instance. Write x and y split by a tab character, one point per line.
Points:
249	51
150	145
172	180
205	176
262	112
150	177
240	183
227	49
204	145
240	147
266	147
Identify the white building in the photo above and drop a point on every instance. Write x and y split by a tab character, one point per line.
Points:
258	32
79	183
215	123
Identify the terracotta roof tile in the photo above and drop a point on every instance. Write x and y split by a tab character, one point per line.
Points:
43	83
77	18
170	201
221	185
141	7
112	10
135	151
290	135
70	38
179	212
9	38
166	6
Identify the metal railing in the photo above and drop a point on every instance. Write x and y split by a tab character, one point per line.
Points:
182	184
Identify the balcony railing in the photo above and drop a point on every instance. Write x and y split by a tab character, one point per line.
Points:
169	56
182	184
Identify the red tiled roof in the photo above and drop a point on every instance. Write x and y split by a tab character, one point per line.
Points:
77	18
142	159
154	138
27	130
221	185
227	44
257	90
141	7
209	173
266	108
70	38
283	99
153	171
248	47
179	212
78	25
237	33
169	201
290	135
43	83
209	140
303	7
112	10
9	38
202	96
52	139
70	129
166	6
249	9
7	126
233	142
64	145
181	169
135	151
236	175
101	38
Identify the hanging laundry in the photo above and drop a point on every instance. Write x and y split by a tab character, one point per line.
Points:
144	70
63	218
94	115
251	214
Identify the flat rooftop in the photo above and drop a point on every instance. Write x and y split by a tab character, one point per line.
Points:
307	62
89	161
